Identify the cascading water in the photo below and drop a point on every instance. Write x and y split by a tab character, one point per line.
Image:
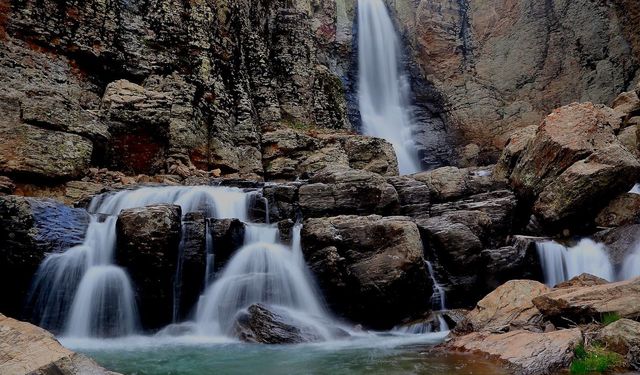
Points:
560	264
382	91
263	271
631	265
82	292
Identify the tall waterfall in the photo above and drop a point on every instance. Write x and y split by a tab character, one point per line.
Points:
382	91
560	264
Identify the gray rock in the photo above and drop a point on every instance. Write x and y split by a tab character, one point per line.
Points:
265	325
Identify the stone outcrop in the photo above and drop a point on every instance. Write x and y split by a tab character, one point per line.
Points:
262	324
27	349
148	241
30	229
368	263
583	303
527	353
623	337
573	161
507	308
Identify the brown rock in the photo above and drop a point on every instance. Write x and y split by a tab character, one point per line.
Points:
508	307
623	210
27	349
623	337
525	352
584	279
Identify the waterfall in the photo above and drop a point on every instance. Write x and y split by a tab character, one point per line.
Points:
560	264
631	265
82	293
262	271
382	91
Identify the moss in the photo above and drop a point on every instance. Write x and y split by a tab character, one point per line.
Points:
594	359
609	318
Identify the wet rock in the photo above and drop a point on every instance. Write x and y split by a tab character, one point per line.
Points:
282	200
266	325
347	191
29	151
584	303
27	349
193	259
508	307
524	352
368	263
573	161
454	317
30	229
147	246
516	261
623	210
414	196
623	337
227	236
285	231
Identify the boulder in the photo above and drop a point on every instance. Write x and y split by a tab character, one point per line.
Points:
517	261
282	200
340	190
508	307
622	210
584	303
414	196
192	260
227	236
584	279
623	337
574	161
31	228
6	185
524	352
368	263
266	325
147	246
450	183
515	146
27	349
31	152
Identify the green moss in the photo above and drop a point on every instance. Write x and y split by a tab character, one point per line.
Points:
594	359
609	318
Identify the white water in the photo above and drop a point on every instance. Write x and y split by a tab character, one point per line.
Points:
631	265
83	292
560	263
382	91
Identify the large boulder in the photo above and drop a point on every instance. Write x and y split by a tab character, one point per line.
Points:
227	236
27	349
518	260
525	352
29	230
338	190
508	307
366	264
574	164
623	337
584	303
623	210
266	325
147	246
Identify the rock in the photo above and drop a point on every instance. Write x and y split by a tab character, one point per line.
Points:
27	349
6	185
414	196
79	191
508	307
626	102
591	302
368	263
193	259
282	200
29	230
454	317
227	236
515	146
573	161
584	279
524	352
148	242
267	325
371	154
623	210
347	191
517	261
618	241
28	151
450	183
628	137
623	337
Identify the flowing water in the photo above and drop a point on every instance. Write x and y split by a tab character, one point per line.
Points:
560	263
631	264
383	91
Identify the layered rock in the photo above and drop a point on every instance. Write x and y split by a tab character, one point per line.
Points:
27	349
368	263
148	241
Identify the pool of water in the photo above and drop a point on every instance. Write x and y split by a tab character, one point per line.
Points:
373	354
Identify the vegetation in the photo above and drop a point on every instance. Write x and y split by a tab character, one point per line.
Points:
609	318
594	359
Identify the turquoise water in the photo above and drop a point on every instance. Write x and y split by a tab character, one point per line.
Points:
371	355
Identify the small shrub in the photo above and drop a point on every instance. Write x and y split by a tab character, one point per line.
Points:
594	359
609	318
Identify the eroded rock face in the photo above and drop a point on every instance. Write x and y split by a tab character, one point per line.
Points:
147	246
368	263
583	303
525	352
27	349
